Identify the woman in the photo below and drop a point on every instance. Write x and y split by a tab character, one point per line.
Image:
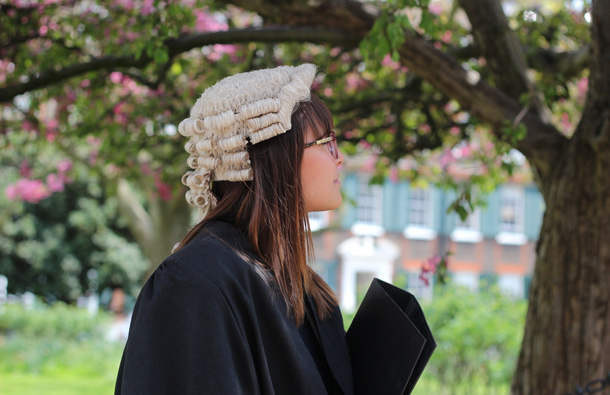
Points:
235	309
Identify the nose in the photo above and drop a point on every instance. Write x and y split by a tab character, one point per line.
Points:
340	157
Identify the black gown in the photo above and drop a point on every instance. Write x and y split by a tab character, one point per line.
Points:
209	321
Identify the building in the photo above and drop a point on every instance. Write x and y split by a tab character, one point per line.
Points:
496	243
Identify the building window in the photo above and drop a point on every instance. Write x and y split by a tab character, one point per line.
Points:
420	225
512	211
466	279
420	208
467	231
512	285
369	202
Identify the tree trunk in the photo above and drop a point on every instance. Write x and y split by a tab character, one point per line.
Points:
567	332
157	229
171	221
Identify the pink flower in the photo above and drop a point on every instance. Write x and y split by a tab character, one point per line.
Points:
31	191
435	8
64	166
205	22
24	169
369	163
583	87
51	124
127	4
11	192
55	183
116	77
147	7
164	190
394	174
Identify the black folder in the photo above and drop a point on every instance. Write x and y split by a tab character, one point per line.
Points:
389	340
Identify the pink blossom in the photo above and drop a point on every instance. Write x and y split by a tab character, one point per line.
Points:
565	121
145	169
352	80
394	174
31	191
435	8
118	109
64	166
51	123
131	36
116	77
328	91
389	62
446	158
55	183
369	163
205	22
11	192
164	190
454	131
364	144
446	37
335	51
425	128
24	169
126	4
85	83
583	87
29	126
43	30
147	7
50	136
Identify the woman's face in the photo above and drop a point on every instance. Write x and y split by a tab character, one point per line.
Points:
320	176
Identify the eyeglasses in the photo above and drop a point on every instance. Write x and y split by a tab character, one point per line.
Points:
331	141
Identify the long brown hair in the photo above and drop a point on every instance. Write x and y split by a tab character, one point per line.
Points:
271	211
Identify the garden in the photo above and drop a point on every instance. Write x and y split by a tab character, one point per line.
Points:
62	349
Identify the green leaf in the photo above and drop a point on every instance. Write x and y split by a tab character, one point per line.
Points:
161	55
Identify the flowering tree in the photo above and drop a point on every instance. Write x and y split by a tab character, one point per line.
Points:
107	82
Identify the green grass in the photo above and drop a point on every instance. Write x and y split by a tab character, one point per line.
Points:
66	383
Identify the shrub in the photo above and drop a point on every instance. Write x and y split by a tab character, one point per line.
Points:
478	336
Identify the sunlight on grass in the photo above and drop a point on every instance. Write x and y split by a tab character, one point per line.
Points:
63	384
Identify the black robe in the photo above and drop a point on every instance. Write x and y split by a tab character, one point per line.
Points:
208	321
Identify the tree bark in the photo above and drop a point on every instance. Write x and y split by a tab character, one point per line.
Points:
157	229
567	333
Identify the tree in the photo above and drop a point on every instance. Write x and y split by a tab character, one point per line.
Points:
447	75
60	235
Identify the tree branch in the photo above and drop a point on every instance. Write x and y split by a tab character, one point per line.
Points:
502	51
542	142
180	45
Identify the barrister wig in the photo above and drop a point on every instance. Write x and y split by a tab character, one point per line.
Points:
238	111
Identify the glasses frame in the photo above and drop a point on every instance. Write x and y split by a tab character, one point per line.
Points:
330	140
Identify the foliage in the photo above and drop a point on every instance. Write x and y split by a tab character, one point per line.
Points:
49	338
478	336
65	241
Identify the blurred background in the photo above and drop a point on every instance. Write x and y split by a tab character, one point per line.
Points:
439	198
